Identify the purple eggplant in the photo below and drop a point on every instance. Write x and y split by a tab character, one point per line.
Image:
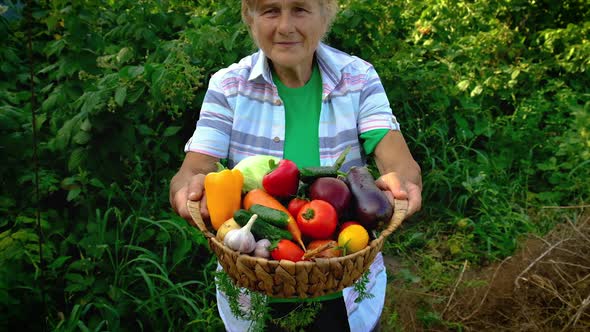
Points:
372	205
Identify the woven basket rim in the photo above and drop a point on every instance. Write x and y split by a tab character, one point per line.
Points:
303	279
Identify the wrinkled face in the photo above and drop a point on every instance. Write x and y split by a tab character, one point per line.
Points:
288	31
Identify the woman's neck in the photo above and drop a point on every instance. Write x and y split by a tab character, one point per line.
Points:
294	77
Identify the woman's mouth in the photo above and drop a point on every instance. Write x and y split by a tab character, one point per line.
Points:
286	44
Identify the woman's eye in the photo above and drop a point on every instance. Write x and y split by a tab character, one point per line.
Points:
270	11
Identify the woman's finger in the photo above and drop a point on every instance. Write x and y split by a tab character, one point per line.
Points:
414	199
196	187
392	183
204	210
179	204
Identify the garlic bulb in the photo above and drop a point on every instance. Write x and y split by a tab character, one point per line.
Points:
261	249
227	226
242	240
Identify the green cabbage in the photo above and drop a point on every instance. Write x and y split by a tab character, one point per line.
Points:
254	168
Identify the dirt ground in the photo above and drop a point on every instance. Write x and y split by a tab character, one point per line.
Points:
545	286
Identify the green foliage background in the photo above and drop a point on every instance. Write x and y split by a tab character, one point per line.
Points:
493	98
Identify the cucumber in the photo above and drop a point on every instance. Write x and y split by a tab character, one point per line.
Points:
261	228
272	216
310	174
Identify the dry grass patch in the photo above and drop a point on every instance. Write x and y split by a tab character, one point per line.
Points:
545	286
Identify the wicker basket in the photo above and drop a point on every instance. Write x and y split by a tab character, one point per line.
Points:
305	279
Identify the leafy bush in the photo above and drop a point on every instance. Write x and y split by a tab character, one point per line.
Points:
491	98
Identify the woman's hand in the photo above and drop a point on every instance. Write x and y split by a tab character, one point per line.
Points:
400	174
189	184
397	188
193	190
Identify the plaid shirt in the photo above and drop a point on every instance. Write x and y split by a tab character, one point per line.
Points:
243	115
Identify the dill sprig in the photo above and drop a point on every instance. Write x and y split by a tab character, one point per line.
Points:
300	317
361	288
258	313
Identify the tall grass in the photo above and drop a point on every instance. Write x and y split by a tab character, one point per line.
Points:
134	273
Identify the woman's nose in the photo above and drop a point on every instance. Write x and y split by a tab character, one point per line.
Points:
285	23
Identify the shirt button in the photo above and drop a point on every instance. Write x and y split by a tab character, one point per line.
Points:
276	139
278	102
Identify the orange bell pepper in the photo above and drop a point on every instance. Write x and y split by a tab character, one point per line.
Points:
224	194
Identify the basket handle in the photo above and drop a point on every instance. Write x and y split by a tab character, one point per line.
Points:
400	210
194	209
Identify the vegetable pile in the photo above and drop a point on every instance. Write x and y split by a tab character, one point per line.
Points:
281	211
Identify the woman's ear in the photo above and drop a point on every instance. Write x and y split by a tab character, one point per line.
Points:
248	20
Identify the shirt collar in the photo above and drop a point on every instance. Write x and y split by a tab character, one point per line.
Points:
261	68
330	60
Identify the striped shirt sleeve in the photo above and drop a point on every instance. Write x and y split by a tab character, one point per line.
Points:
375	111
213	130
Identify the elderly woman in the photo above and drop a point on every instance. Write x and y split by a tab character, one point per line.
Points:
299	99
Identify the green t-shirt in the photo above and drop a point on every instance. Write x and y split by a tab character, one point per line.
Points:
302	118
371	138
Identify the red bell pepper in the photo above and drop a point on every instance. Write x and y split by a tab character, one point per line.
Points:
283	179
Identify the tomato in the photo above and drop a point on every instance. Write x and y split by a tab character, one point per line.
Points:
296	204
317	219
288	250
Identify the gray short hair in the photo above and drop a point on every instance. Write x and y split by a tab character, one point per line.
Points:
329	10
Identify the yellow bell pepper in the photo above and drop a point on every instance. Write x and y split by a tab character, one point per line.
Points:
224	195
